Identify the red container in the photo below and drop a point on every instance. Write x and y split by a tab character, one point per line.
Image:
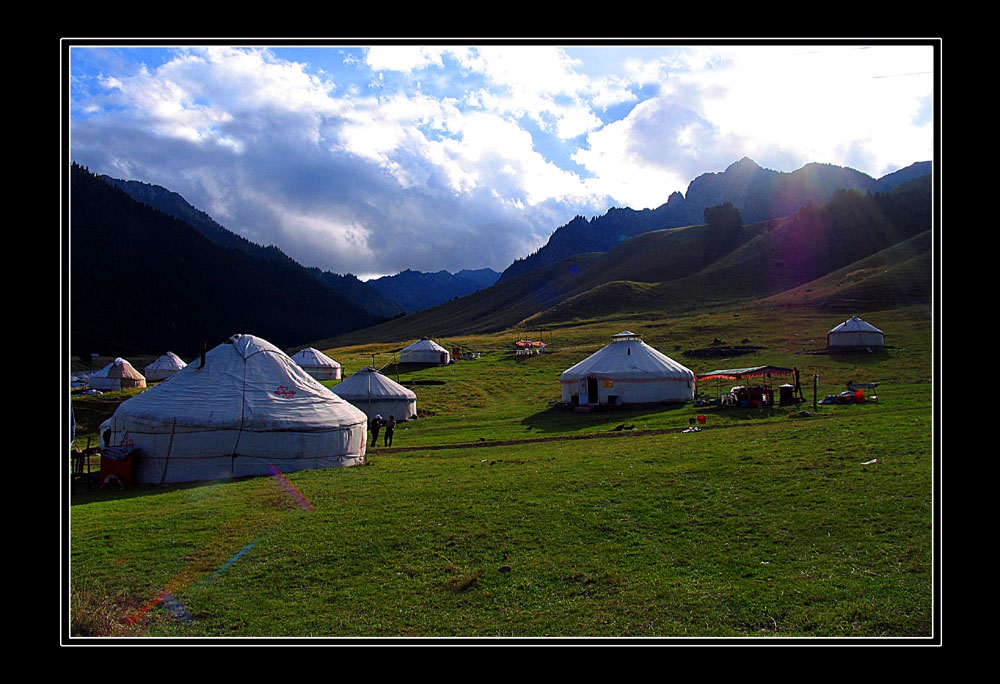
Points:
121	469
701	419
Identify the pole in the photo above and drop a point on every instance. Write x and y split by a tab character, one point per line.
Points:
815	383
170	445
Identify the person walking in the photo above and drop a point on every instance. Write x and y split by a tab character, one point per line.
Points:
374	425
390	427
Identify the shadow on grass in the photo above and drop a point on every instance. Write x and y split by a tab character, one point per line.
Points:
562	418
81	495
859	357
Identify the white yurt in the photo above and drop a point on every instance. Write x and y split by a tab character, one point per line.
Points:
317	364
627	371
249	409
854	333
424	350
164	367
117	375
375	394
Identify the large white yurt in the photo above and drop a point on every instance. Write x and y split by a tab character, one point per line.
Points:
425	350
164	367
375	394
317	364
117	375
627	371
249	409
854	333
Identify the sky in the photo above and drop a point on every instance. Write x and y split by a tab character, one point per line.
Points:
373	159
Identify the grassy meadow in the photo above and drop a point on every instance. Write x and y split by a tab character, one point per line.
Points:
500	514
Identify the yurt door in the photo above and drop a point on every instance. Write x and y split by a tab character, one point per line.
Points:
592	397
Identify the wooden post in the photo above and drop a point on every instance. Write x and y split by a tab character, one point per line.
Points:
815	383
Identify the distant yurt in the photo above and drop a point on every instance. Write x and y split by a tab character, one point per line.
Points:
249	410
627	371
164	367
375	394
424	350
317	364
855	333
117	375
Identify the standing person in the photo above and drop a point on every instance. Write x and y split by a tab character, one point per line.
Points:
374	424
390	426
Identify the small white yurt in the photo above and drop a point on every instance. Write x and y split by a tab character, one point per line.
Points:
117	375
375	394
164	367
424	350
317	364
855	333
627	371
249	410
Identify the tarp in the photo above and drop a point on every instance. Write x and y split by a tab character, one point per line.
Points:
752	372
317	364
376	394
248	409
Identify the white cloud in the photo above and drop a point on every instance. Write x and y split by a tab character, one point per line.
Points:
479	144
402	57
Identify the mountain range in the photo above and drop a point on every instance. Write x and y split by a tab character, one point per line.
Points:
150	272
858	252
757	193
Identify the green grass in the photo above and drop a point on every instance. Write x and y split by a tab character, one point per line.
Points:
763	524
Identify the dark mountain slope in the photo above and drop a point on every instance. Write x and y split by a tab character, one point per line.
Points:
173	204
858	249
145	281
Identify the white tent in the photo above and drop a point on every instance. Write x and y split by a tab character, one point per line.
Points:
164	367
119	374
248	410
424	350
375	394
854	333
627	371
317	364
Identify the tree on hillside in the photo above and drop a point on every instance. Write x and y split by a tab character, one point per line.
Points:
724	230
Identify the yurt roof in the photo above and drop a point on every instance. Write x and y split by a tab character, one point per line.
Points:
314	358
245	383
627	356
168	361
425	344
368	383
119	368
855	324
